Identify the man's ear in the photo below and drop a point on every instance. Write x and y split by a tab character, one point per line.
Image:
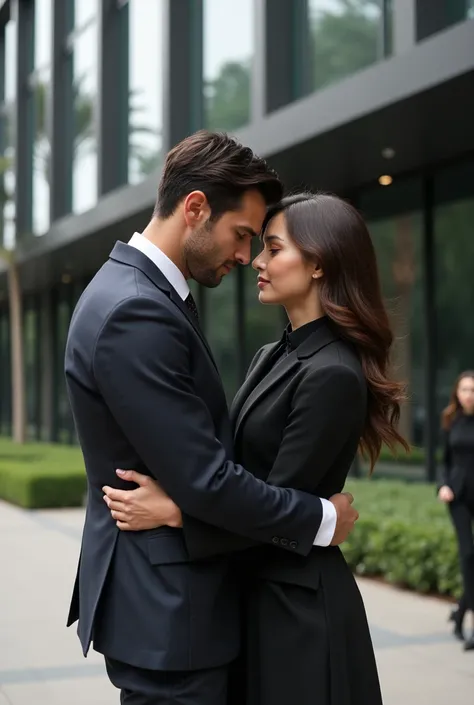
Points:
195	209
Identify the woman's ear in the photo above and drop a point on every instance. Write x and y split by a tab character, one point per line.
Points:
318	272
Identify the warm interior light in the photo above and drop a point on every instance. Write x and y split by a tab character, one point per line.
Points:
66	278
385	180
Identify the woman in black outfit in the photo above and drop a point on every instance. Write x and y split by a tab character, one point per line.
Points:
457	490
309	401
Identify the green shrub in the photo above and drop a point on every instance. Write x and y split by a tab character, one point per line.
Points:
404	534
41	475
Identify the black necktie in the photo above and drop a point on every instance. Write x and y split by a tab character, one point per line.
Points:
191	304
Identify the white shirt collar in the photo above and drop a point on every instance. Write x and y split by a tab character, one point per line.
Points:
164	264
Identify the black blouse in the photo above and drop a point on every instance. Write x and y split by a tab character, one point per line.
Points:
459	456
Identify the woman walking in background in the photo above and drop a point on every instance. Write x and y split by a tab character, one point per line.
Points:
457	489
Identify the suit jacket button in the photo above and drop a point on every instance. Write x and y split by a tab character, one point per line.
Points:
275	539
293	544
284	542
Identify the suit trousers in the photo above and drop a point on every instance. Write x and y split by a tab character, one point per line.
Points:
462	515
139	686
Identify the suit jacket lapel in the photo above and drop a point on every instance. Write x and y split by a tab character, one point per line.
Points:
263	386
133	257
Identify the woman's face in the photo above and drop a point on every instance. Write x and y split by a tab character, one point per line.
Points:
285	277
466	394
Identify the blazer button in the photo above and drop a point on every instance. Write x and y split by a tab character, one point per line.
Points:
275	539
284	542
293	544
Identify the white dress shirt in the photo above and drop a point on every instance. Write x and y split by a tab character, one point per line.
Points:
179	283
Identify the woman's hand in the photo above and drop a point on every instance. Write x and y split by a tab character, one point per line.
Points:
146	507
445	494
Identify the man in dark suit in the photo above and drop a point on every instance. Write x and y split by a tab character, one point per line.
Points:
145	393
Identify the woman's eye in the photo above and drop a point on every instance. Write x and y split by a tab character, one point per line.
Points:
273	252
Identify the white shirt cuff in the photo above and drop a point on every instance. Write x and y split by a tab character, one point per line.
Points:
328	524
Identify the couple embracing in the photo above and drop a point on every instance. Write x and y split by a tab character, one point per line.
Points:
216	578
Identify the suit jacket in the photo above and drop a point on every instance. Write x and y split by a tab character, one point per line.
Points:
298	424
145	394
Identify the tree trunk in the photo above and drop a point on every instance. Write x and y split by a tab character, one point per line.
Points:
17	354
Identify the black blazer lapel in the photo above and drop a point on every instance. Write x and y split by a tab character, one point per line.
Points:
134	258
255	388
277	373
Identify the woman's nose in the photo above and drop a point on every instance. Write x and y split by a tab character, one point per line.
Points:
258	263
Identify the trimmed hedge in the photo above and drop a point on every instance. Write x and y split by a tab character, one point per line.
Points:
404	535
41	475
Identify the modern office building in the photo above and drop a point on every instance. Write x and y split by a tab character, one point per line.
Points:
371	99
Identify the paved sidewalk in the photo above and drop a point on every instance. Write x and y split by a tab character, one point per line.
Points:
41	663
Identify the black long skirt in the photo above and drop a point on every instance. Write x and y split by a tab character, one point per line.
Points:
305	646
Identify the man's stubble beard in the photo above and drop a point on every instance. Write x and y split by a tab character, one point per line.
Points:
201	257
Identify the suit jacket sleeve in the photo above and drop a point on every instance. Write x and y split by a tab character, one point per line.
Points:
328	408
142	368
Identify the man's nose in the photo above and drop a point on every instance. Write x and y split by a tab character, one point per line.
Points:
243	255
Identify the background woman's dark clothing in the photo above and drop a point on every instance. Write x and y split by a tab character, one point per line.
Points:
459	476
298	420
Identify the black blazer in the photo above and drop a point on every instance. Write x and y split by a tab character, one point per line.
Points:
458	457
298	424
146	394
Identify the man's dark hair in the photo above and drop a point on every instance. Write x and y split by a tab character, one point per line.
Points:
220	167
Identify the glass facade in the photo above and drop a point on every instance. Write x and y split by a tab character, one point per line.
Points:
395	219
227	63
84	47
41	81
344	38
454	258
318	43
221	330
8	136
145	21
433	16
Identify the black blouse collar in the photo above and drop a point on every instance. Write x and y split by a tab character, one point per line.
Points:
295	338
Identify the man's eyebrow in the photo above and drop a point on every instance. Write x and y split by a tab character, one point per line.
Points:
250	231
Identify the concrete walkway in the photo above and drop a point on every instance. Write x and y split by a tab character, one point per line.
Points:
41	663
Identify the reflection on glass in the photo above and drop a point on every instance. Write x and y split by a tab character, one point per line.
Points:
41	84
85	139
345	37
221	330
397	237
433	16
8	156
228	48
145	88
41	154
263	323
454	248
43	18
84	11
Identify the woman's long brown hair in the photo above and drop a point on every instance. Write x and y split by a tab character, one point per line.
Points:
454	407
330	232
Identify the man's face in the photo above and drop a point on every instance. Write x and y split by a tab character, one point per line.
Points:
212	249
